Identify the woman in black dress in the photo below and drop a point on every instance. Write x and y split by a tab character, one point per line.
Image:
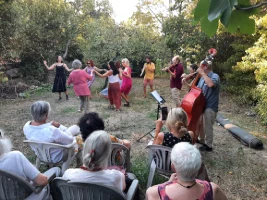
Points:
60	79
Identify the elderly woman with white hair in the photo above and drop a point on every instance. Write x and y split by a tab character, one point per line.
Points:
52	132
79	80
96	152
126	85
16	163
186	162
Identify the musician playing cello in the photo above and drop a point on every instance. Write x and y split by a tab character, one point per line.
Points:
176	71
210	85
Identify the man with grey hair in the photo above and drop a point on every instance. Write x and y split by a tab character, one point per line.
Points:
52	132
16	163
186	162
210	85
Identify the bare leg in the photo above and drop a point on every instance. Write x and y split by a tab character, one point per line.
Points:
67	96
125	97
151	88
59	96
145	91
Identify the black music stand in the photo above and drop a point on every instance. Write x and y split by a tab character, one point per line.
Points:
160	101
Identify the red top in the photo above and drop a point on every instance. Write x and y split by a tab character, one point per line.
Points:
79	80
206	195
176	82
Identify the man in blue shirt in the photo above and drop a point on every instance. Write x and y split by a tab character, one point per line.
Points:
210	85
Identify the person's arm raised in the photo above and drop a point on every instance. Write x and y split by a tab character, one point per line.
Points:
100	70
159	136
108	73
49	68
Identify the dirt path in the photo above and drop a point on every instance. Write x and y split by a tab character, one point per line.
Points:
241	172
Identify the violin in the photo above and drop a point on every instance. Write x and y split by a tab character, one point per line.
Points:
166	69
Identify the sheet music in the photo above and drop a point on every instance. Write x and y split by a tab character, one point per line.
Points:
156	95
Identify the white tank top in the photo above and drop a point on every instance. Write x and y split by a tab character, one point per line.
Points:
113	79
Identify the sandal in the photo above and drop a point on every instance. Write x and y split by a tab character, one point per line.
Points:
110	107
127	104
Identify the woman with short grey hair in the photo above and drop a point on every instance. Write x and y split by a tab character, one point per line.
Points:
40	110
96	153
79	80
38	129
186	162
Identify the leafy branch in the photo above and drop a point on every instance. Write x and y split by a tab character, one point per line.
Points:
251	7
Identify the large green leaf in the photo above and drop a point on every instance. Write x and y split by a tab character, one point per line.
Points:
201	9
244	2
240	20
221	8
209	27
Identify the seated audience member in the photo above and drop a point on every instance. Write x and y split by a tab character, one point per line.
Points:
52	132
96	152
186	162
177	124
91	122
16	163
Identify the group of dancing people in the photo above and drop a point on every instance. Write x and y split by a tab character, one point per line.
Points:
120	84
82	80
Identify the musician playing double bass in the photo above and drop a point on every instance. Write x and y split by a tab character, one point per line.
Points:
176	71
210	85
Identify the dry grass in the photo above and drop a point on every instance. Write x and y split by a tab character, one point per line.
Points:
241	172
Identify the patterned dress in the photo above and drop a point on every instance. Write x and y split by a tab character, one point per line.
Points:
60	80
206	195
89	71
170	140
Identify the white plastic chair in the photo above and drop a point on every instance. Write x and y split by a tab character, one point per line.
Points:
124	154
69	190
160	161
15	187
42	151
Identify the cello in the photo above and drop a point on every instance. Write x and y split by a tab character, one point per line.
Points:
194	101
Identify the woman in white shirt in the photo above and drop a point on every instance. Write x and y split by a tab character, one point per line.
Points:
96	153
16	163
114	77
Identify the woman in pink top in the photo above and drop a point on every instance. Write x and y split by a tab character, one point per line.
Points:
186	162
126	85
79	80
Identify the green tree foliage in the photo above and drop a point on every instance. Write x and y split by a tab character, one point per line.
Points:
235	15
248	79
7	28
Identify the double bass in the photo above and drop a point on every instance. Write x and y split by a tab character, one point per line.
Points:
194	101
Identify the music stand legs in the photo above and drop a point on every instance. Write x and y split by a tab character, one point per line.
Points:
149	132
